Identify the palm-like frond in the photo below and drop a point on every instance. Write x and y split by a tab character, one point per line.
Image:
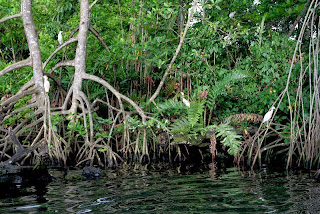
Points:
220	87
230	138
195	112
171	107
181	126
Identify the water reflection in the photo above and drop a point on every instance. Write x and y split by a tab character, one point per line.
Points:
156	189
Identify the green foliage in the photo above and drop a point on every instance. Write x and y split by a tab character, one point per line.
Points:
25	113
75	128
171	108
191	124
193	127
230	138
135	123
56	121
195	112
241	61
220	88
181	126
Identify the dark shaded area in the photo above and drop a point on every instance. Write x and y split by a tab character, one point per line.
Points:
13	178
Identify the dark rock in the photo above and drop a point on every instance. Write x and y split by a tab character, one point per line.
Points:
57	174
74	175
91	172
22	174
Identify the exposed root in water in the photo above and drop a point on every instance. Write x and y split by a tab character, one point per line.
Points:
300	139
65	129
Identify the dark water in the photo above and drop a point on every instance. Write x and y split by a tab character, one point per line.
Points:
156	190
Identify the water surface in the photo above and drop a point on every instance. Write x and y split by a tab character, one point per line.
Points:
158	190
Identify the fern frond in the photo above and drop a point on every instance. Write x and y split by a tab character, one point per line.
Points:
171	107
181	126
195	112
220	87
230	138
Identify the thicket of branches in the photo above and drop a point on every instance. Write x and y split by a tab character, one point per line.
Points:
299	139
117	77
57	143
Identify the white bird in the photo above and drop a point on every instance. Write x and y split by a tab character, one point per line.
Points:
256	2
60	39
268	115
46	84
185	101
231	15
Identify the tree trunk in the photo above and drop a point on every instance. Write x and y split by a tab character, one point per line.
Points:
80	59
33	43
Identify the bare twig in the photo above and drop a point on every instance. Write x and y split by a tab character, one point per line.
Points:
66	43
17	65
93	3
98	36
62	64
10	17
190	15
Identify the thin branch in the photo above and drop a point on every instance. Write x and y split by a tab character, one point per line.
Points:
97	35
20	126
109	106
115	92
63	63
298	18
25	127
16	97
190	15
64	106
21	64
58	49
26	86
32	105
86	100
79	98
73	32
10	17
93	3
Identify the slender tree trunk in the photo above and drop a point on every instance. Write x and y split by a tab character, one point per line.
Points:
33	43
80	59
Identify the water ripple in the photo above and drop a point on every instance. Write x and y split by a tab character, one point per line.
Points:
172	192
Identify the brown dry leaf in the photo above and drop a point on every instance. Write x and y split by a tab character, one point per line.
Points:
254	118
204	94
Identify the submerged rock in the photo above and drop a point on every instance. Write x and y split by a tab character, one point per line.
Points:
91	172
74	175
86	173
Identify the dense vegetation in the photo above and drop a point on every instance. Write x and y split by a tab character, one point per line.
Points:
232	59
